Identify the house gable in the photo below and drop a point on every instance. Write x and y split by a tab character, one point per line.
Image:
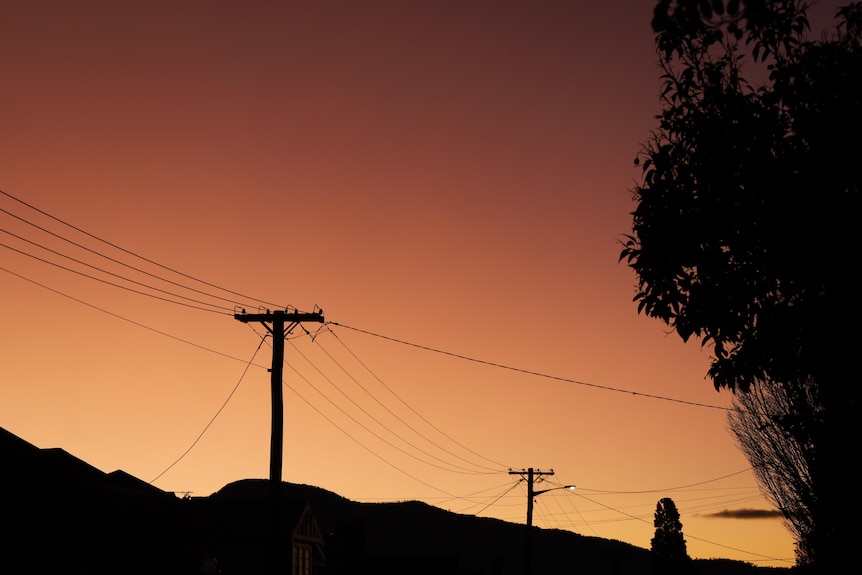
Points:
306	528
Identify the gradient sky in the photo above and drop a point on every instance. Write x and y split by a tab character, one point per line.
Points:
454	175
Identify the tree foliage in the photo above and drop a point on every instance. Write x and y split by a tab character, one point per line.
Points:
668	553
749	193
744	232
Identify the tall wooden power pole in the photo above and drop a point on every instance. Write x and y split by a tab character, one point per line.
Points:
274	322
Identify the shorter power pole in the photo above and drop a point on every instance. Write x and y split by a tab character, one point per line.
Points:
530	475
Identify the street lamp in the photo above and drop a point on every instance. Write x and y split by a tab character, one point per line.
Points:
531	495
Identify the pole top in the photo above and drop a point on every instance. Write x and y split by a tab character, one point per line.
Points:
289	313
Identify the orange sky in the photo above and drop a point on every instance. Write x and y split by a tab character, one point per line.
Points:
450	174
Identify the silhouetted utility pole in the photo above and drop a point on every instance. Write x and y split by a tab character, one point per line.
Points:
274	322
530	475
277	329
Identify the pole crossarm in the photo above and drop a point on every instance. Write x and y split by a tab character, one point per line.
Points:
535	472
293	317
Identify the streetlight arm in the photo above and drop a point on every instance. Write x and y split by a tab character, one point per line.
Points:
569	487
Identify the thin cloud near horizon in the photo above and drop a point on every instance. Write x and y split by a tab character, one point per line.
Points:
745	514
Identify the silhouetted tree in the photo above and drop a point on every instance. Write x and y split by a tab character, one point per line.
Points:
744	234
773	424
668	554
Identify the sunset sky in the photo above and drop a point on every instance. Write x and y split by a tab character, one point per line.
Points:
448	181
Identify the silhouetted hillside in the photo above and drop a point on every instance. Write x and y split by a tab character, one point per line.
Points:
61	515
414	537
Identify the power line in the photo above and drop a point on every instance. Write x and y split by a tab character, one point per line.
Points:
363	426
457	468
469	496
217	413
530	372
687	534
718	502
129	252
427	348
365	447
390	390
396	416
104	281
497	498
101	255
741	471
123	318
578	511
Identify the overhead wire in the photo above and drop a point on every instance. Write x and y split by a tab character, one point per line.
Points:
542	510
665	489
131	253
455	468
719	503
365	427
703	503
97	253
123	318
104	281
530	372
716	501
210	422
688	534
469	496
496	499
566	494
182	274
362	445
401	400
548	517
404	403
